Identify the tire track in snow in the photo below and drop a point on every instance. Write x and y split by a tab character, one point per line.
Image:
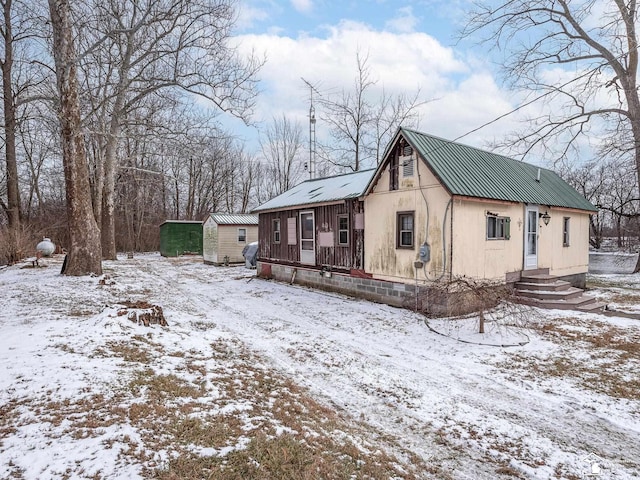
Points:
342	361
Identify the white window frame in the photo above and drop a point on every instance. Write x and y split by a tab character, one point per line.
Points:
240	240
276	230
343	230
399	238
566	231
500	229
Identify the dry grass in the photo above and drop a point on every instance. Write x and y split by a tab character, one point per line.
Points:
624	298
281	433
597	356
221	415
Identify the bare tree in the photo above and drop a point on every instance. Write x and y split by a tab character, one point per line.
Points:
590	179
595	44
282	147
348	116
10	122
251	171
360	123
85	254
156	45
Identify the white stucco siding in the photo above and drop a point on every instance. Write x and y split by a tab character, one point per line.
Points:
466	250
560	259
478	257
382	257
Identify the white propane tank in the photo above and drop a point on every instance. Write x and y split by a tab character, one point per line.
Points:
46	247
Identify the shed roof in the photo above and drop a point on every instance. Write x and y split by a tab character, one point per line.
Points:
188	222
469	171
234	218
321	190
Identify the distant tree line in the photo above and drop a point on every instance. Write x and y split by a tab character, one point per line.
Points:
111	117
150	79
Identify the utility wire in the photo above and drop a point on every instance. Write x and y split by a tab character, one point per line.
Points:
521	106
526	104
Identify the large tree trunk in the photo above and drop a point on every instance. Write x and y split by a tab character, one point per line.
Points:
85	253
13	192
109	192
635	128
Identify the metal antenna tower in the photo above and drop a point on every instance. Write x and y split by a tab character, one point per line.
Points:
312	130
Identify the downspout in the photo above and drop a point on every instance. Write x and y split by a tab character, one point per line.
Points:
451	246
444	243
425	245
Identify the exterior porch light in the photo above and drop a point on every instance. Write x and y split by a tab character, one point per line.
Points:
545	217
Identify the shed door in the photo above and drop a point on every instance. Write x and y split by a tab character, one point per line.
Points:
531	238
307	238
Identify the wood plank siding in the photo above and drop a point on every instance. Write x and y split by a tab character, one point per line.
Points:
336	256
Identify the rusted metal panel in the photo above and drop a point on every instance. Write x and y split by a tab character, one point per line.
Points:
329	253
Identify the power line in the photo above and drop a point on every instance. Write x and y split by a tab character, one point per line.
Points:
526	104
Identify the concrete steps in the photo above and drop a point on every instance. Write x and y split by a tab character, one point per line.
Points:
546	291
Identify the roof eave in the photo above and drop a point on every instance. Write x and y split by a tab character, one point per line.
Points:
302	206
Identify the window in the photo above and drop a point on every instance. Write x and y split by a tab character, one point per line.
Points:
405	230
498	228
276	230
407	166
343	229
565	231
242	235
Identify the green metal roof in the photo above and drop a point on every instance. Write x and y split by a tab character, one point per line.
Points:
472	172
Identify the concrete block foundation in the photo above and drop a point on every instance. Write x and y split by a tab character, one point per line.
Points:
395	294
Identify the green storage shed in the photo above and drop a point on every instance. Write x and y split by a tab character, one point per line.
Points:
178	237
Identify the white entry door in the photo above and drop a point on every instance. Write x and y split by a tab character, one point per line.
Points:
307	238
531	238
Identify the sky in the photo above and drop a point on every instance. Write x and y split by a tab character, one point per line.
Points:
410	46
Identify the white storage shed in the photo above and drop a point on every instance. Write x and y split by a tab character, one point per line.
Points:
225	235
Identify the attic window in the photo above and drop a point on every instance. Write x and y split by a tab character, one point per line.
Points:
407	166
405	158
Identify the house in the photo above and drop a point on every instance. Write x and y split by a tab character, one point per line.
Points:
178	237
463	211
319	224
432	210
225	236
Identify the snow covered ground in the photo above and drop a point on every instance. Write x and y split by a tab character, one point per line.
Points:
554	407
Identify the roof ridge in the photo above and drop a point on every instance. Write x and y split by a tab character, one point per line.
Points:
478	149
337	175
474	172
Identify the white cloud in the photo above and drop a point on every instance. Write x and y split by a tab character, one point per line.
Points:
404	21
249	15
302	6
465	92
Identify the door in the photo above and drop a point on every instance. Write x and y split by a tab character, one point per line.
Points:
307	238
531	238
